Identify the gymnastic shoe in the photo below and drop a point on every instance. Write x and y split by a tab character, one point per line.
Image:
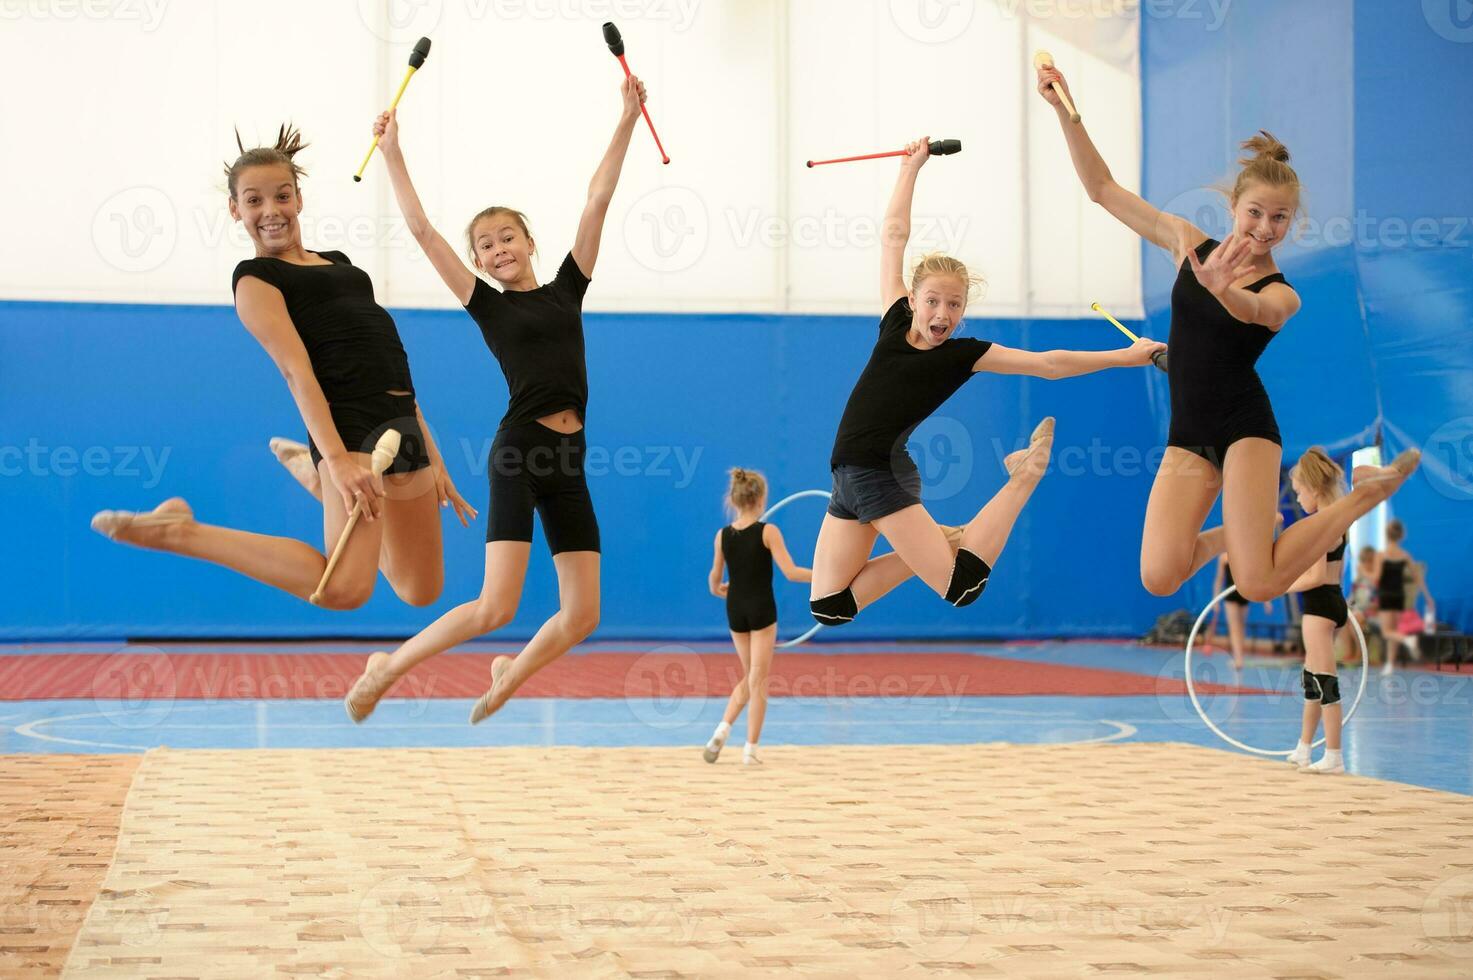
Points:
1386	480
111	523
370	686
1300	757
481	710
1041	440
296	458
1328	765
713	748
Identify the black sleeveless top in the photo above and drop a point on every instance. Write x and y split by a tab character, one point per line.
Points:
748	560
1339	552
1213	353
536	336
351	341
1393	576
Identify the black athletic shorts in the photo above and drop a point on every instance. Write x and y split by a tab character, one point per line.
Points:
360	422
534	468
866	495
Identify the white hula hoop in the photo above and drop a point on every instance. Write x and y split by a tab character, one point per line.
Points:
1365	661
773	510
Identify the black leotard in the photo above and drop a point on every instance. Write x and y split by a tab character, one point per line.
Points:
749	601
1391	589
1216	395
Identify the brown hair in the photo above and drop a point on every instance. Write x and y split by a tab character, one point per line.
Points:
1321	474
288	144
747	489
491	212
1269	164
1395	531
941	264
1367	555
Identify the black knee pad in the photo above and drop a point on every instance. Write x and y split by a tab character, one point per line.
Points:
1312	690
835	609
968	578
1330	688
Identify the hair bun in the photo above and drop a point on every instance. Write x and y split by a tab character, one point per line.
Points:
1265	145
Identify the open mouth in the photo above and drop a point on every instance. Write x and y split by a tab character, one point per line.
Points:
937	332
273	228
503	263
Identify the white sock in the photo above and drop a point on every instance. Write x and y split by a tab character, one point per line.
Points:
722	730
1301	751
751	749
1333	757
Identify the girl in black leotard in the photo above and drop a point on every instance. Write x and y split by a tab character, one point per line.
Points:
1319	482
748	547
1398	579
339	351
1229	302
535	333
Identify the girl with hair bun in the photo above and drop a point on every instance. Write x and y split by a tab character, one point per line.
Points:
916	365
747	547
1318	482
340	354
1399	579
1229	302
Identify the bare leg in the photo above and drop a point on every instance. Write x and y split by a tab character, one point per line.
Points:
575	620
412	558
1392	639
763	642
1263	567
1237	619
1173	544
1319	658
285	563
739	695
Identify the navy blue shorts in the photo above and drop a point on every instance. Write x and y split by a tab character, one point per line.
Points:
866	495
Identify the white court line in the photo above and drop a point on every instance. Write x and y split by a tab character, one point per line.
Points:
28	730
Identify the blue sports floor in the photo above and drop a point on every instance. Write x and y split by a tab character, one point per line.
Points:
1414	727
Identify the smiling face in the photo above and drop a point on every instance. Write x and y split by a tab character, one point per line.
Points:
501	247
1263	214
268	202
937	304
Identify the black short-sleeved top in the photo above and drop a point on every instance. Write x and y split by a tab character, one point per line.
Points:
899	388
537	337
351	341
1213	353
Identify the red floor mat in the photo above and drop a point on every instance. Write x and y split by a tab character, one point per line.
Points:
269	676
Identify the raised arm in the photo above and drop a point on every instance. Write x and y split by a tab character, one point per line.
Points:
895	230
718	564
606	178
460	279
1056	364
773	539
1176	235
262	309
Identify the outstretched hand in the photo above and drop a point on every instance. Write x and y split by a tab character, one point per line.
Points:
917	152
1224	266
1142	351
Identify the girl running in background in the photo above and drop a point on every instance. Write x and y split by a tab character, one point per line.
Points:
747	548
